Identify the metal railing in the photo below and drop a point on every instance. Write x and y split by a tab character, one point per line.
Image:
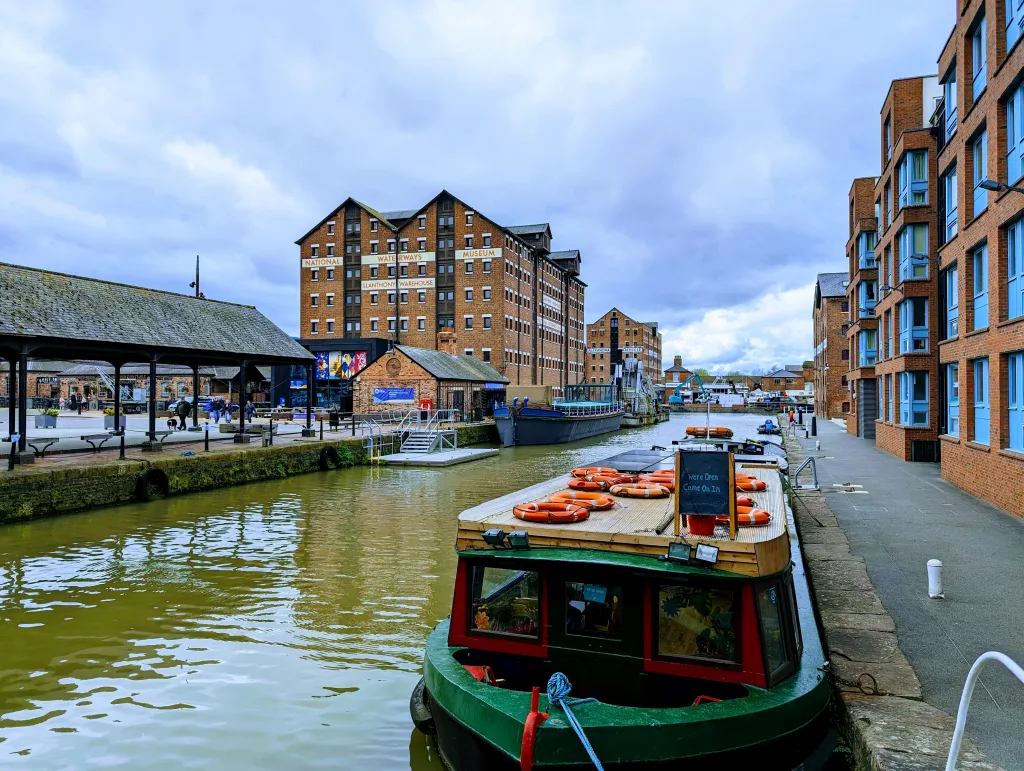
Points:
965	699
795	479
597	409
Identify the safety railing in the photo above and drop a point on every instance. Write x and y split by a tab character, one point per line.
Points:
794	481
965	699
597	409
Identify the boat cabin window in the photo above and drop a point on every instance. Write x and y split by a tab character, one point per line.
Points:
594	610
697	622
505	602
780	632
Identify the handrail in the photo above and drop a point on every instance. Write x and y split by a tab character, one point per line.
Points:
965	699
809	461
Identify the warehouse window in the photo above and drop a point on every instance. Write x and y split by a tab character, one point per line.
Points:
980	265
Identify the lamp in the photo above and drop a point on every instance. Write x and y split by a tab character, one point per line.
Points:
495	537
998	187
678	552
519	539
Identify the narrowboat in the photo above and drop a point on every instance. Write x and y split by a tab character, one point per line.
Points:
684	650
585	411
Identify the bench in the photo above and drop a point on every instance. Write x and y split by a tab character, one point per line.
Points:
97	440
35	443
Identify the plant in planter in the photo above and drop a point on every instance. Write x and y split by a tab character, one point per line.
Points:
47	418
110	422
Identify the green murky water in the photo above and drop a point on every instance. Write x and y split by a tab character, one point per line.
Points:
275	625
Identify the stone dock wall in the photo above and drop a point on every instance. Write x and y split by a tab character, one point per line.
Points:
877	694
42	492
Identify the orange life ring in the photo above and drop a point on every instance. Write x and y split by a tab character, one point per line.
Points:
747	516
592	501
583	484
551	513
713	432
611	479
751	485
587	471
667	482
640	490
744	500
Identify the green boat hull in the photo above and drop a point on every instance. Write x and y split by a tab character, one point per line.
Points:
784	727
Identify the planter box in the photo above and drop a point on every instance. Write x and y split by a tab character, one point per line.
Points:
46	421
108	422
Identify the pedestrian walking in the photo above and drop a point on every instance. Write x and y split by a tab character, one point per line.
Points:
183	410
250	411
215	410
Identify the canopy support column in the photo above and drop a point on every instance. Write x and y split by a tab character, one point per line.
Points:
152	444
310	391
12	399
195	397
117	398
22	400
241	437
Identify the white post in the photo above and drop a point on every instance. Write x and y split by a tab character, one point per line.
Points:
817	445
935	580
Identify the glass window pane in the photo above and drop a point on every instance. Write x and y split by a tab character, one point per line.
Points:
593	609
696	622
505	601
769	602
921	240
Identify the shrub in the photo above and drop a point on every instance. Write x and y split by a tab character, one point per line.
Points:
52	413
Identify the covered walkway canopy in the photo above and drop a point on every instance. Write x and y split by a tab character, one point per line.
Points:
47	315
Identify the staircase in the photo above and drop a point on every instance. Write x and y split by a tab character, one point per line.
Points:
421	441
437	433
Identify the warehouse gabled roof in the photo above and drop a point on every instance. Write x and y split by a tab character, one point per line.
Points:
368	209
833	284
444	366
56	315
529	230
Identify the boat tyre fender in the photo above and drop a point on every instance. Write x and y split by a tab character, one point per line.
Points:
329	458
419	708
551	513
152	484
592	501
640	490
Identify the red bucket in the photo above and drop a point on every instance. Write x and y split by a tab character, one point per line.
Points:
700	525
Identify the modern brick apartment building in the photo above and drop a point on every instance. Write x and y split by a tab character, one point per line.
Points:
614	337
905	394
831	351
861	297
980	129
409	275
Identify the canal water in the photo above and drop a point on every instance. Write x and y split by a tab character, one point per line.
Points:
273	625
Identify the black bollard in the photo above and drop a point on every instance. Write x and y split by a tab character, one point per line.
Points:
271	440
353	423
321	429
10	457
800	416
121	456
814	425
206	438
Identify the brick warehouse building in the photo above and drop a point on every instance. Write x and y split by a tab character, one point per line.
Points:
831	393
861	297
411	274
980	126
614	337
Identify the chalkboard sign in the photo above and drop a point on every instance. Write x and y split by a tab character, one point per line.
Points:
703	486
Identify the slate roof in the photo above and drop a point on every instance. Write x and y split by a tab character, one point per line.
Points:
41	365
528	230
833	284
677	368
444	366
781	373
566	254
401	214
40	303
85	369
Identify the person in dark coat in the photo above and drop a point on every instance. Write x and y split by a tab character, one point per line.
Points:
183	410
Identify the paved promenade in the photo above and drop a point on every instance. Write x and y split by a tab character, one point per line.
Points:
903	515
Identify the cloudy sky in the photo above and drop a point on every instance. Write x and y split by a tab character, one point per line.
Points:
699	154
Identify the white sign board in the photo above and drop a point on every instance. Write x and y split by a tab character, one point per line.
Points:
387	284
478	254
403	257
322	262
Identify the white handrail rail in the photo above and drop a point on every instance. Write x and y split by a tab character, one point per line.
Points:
965	699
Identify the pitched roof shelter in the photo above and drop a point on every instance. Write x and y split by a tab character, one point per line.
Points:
445	366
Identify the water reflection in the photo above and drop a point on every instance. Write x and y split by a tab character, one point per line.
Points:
273	625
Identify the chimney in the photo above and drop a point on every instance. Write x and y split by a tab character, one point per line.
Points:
446	341
677	361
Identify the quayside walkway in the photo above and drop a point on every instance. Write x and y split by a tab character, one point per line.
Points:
904	514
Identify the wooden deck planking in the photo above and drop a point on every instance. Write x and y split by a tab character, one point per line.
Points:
630	526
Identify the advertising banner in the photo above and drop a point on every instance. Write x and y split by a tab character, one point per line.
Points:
345	365
322	370
394	395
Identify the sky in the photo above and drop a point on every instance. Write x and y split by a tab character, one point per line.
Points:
698	154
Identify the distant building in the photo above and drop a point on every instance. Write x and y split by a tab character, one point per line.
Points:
614	337
831	354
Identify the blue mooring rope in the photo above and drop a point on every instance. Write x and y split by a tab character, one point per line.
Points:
558	689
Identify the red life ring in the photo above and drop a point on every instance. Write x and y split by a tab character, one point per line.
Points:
744	500
751	485
583	484
747	516
593	501
587	471
551	513
669	483
640	490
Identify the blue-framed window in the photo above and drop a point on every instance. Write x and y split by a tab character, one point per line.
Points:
1014	22
949	92
978	59
878	219
914	252
888	138
979	151
1015	269
981	414
949	182
1015	135
888	265
952	302
979	266
866	249
913	178
881	398
889	392
867	344
914	325
888	333
866	299
953	399
1015	400
913	398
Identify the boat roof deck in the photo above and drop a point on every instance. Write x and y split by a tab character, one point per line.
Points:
642	526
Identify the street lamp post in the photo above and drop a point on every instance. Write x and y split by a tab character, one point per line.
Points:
998	187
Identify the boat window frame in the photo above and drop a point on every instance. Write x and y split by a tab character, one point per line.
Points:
702	661
789	616
630	642
542	587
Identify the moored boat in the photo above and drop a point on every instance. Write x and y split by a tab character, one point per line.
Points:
585	411
693	651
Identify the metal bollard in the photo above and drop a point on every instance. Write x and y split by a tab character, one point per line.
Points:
321	429
10	456
814	425
353	423
817	445
935	580
206	437
121	456
271	431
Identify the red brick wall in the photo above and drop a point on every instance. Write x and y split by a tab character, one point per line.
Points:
829	393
